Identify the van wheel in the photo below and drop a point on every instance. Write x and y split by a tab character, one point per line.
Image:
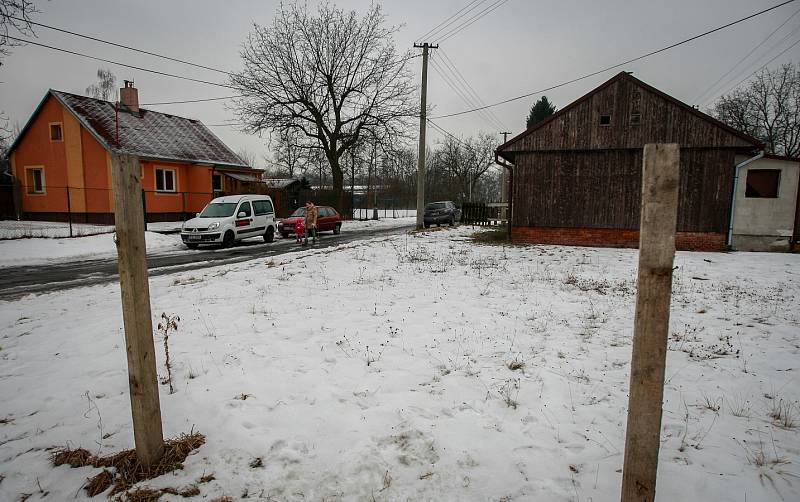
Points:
227	239
269	236
337	229
192	246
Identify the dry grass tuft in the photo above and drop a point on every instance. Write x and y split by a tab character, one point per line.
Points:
128	470
191	491
516	365
99	483
143	495
206	478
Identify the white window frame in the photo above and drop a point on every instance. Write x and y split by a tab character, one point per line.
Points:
164	180
32	189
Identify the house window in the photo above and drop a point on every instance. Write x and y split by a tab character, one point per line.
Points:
55	132
34	179
605	120
763	183
165	180
216	182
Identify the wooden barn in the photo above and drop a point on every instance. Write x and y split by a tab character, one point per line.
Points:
577	174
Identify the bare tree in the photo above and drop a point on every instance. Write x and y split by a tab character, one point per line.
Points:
248	157
467	160
290	155
105	87
767	108
330	75
15	20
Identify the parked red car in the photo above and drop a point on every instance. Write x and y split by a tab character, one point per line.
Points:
328	220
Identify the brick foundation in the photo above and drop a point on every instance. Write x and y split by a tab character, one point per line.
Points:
612	237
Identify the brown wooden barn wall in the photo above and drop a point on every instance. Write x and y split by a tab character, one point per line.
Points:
602	189
660	121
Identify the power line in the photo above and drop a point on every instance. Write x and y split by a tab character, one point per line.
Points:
473	20
763	66
221	98
445	132
747	68
449	62
458	90
109	61
712	86
95	39
638	58
439	26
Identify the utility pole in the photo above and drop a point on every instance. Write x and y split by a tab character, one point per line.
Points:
422	122
660	181
135	290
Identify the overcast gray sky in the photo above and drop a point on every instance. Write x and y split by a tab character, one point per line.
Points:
521	46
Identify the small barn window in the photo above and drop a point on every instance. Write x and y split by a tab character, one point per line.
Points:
55	132
605	120
636	107
165	180
762	183
216	182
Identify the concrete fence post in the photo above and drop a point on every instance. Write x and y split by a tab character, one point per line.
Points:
659	214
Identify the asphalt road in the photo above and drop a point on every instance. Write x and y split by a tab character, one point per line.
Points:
16	282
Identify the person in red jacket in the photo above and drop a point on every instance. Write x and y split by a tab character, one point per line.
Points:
299	231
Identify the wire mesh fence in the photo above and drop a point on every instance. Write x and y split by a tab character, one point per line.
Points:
57	212
65	211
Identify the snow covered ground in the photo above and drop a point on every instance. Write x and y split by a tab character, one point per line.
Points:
382	370
43	250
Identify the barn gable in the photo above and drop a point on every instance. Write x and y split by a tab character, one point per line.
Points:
626	113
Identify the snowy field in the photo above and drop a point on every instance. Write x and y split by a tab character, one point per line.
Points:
43	250
420	367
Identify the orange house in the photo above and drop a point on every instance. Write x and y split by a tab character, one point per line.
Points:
61	161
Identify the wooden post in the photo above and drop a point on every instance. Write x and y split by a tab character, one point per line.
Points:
69	212
135	289
660	180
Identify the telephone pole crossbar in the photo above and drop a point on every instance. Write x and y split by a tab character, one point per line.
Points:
421	170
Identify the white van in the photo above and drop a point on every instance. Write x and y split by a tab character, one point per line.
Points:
228	219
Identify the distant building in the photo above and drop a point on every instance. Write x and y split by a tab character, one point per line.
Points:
61	161
577	174
767	208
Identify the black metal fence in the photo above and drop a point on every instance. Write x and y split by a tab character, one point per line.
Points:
484	214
